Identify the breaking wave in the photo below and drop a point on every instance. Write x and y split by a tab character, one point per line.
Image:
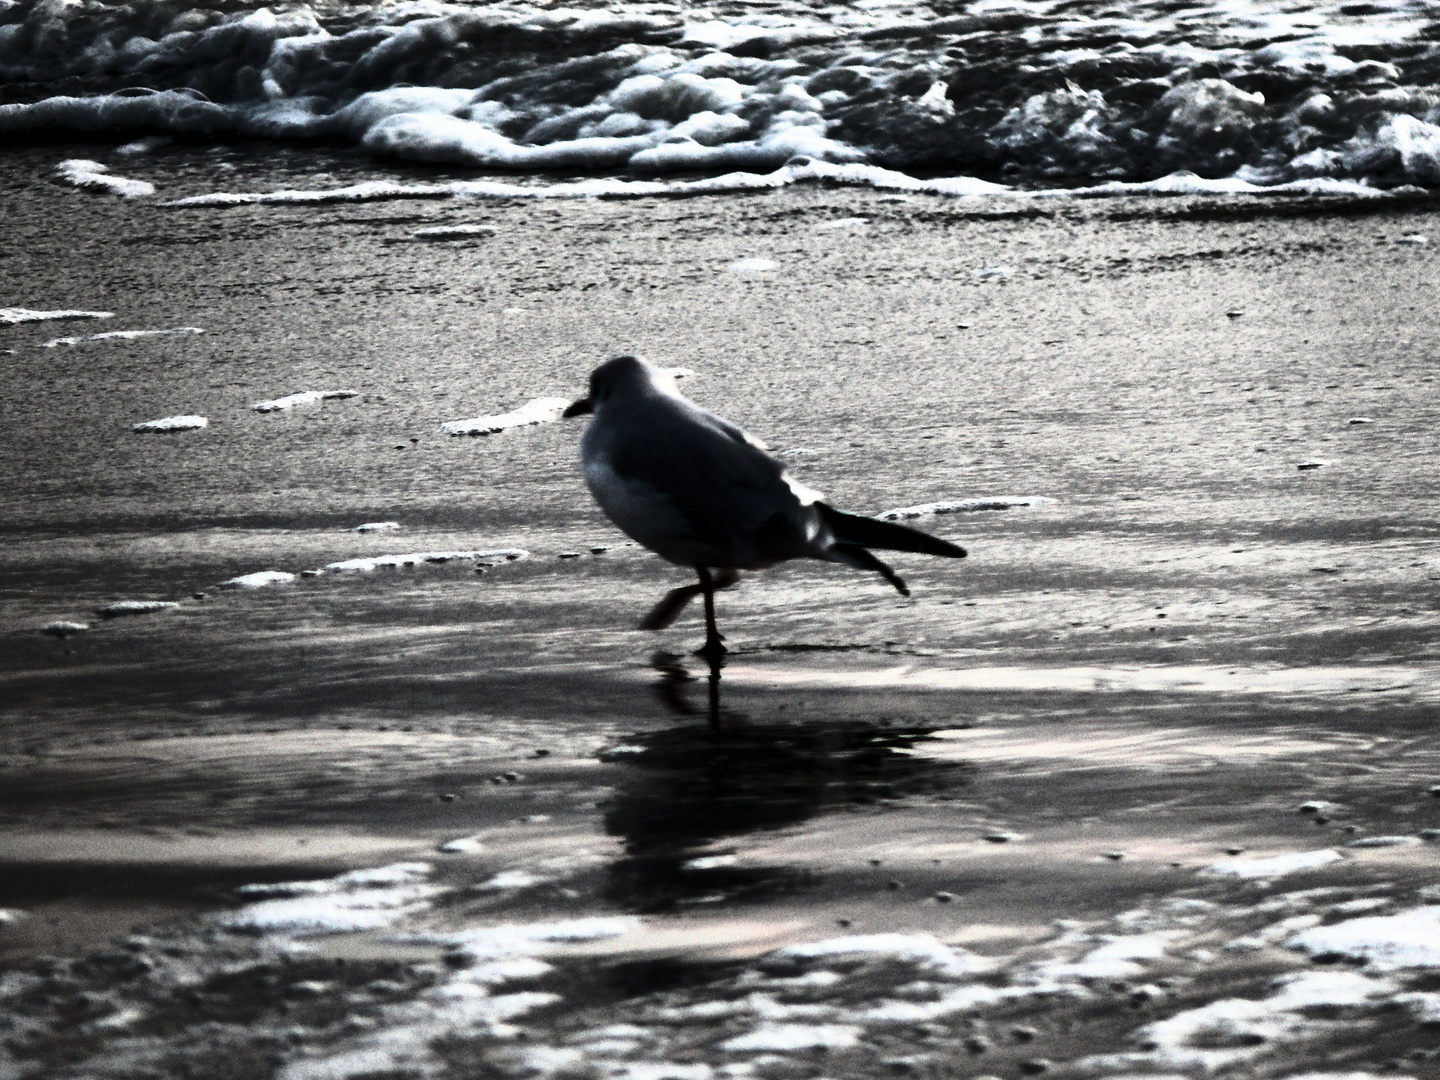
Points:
1054	93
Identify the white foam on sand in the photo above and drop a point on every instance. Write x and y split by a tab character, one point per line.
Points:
376	526
521	939
710	862
134	607
416	558
463	845
964	506
1275	865
545	410
509	880
920	949
752	266
802	170
167	424
307	397
1311	989
1114	959
63	628
465	1002
1408	939
257	580
779	1038
11	316
359	900
93	176
453	232
120	335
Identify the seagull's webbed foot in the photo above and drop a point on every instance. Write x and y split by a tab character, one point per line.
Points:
714	650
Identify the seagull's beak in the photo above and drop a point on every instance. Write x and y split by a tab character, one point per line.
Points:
583	407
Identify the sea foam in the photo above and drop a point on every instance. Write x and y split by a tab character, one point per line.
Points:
93	176
169	424
11	316
120	335
543	410
306	397
1314	99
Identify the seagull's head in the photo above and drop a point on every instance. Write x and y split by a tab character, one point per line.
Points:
623	377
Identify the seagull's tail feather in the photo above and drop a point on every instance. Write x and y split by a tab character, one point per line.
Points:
856	556
865	532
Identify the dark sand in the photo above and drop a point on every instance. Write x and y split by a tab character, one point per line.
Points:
1194	639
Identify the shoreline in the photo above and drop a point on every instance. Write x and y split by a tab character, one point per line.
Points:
377	715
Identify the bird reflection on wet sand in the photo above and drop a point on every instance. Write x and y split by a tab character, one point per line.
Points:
685	788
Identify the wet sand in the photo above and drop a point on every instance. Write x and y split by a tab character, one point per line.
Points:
1114	692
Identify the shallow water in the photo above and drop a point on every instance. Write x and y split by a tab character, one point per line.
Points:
1113	714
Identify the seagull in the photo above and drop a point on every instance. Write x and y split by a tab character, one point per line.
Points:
701	492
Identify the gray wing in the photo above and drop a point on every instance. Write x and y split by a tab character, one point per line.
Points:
730	492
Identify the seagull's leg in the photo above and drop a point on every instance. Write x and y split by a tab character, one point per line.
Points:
714	648
668	609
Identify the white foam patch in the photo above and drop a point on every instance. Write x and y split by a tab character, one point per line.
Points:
417	558
453	232
147	145
134	607
1115	959
921	949
359	900
121	335
710	862
1220	1035
376	526
752	266
258	580
845	223
780	1038
1409	939
962	999
13	315
306	397
850	175
807	171
545	410
64	628
168	424
509	880
964	506
1317	988
462	845
516	939
1274	866
93	176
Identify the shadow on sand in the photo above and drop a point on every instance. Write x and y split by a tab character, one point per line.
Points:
687	789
